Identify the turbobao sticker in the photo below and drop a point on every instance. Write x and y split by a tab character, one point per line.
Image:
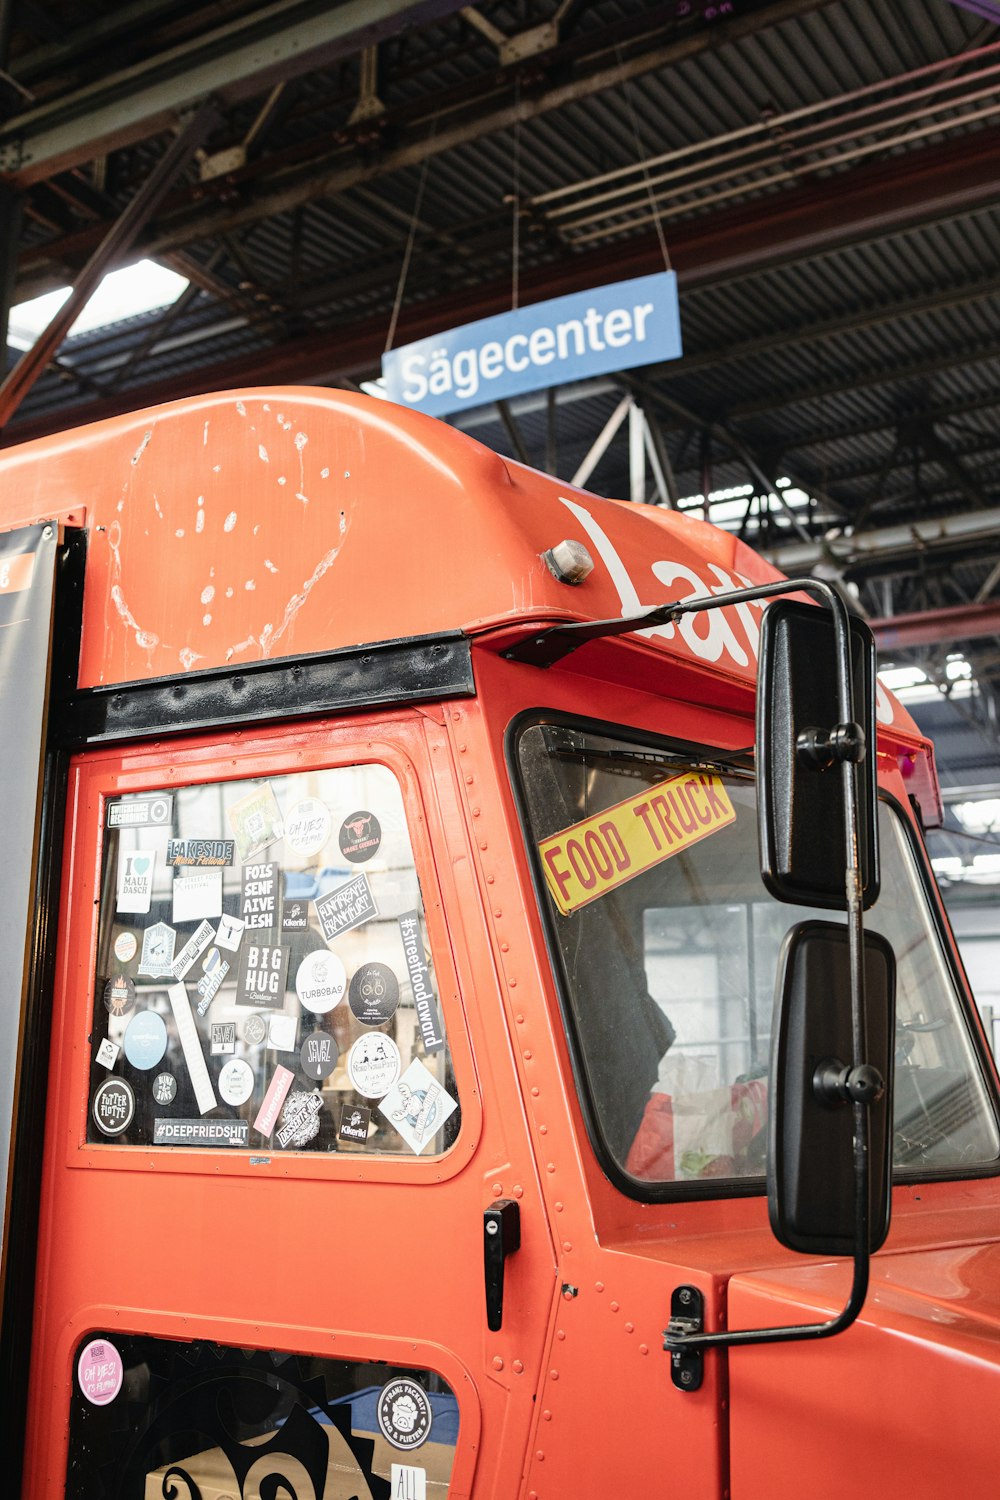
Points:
374	994
373	1064
100	1372
321	981
256	821
404	1413
346	908
418	1106
114	1106
135	880
308	828
602	852
360	836
141	812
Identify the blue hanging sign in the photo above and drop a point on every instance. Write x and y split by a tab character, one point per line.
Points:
569	338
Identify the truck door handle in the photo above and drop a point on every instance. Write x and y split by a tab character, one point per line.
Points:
501	1237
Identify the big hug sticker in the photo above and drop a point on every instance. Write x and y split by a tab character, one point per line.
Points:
604	851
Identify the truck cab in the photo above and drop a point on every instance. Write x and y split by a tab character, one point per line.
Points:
395	1029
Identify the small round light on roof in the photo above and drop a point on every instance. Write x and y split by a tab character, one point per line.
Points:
568	561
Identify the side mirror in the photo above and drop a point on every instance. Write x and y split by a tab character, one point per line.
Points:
802	742
813	1088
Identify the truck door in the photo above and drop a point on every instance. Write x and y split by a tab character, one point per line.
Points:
260	1266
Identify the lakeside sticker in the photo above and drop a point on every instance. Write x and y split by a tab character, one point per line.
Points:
604	851
346	908
201	853
255	821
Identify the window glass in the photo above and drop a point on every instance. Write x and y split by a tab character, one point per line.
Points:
263	975
669	943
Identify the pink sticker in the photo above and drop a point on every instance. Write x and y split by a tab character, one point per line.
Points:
273	1100
100	1372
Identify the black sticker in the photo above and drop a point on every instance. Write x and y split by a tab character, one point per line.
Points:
223	1038
295	915
259	900
263	971
374	994
346	907
141	812
201	1133
299	1119
354	1120
119	995
114	1106
424	999
164	1088
318	1055
404	1413
360	836
201	853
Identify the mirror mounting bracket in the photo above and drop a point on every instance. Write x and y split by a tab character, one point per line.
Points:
687	1317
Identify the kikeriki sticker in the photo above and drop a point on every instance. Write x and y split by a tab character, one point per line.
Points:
374	994
229	932
318	1055
201	853
113	1106
281	1033
158	943
187	1032
135	879
407	1482
119	995
267	1116
346	907
193	949
197	895
164	1088
424	998
259	898
262	974
308	827
235	1082
141	812
299	1119
404	1413
360	836
320	981
294	915
418	1106
107	1053
223	1038
354	1122
100	1372
214	969
254	1030
126	946
373	1064
145	1040
256	821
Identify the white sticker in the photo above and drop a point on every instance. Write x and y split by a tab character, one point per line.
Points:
193	948
308	827
230	932
321	981
126	944
373	1064
197	895
135	879
281	1033
107	1053
187	1032
418	1106
236	1081
408	1483
158	943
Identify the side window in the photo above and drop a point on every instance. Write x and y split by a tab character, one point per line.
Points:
264	980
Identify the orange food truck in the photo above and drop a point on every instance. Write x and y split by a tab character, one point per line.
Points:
415	1088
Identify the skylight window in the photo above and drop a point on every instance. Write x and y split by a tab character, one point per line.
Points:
140	288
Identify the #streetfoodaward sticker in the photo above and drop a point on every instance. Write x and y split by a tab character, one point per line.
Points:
373	1064
404	1413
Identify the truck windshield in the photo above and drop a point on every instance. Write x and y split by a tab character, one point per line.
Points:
668	948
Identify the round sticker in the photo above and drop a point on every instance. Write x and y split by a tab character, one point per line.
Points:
318	1055
236	1081
254	1030
374	994
308	827
404	1413
159	810
321	981
360	836
119	995
164	1088
373	1064
100	1372
211	961
145	1039
114	1106
299	1118
125	947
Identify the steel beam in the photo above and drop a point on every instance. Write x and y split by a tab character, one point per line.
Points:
933	627
973	529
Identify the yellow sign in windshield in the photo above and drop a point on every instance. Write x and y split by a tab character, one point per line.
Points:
604	851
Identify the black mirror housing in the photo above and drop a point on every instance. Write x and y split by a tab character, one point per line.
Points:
801	745
811	1169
